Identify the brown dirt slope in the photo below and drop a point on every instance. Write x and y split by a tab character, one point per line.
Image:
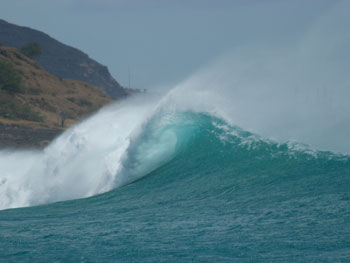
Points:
56	103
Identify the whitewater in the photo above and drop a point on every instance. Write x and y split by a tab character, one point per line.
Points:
247	160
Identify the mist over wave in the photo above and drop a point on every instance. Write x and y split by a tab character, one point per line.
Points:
292	92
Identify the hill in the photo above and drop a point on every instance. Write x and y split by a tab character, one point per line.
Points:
62	60
39	103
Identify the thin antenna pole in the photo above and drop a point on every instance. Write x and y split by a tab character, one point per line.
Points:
129	77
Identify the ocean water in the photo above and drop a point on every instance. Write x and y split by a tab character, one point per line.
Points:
190	188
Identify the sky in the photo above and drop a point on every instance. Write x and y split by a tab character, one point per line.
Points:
159	43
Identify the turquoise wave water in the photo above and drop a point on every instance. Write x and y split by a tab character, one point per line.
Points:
204	192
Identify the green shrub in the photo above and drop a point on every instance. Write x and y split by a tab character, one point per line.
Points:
10	79
84	103
15	111
32	50
33	91
43	104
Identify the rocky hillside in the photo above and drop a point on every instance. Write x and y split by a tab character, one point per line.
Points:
35	102
62	60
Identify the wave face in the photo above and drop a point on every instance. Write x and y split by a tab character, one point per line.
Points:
195	188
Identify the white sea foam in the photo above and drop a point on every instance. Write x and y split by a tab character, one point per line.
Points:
81	162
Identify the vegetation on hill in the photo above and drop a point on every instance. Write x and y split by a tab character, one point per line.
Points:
13	109
32	97
10	79
10	84
32	50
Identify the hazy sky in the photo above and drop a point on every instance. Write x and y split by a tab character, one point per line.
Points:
162	41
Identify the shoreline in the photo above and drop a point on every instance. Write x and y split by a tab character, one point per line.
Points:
13	136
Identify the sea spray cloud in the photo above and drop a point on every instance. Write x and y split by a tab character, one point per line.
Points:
296	93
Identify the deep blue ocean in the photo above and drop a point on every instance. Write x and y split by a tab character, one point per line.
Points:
223	195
